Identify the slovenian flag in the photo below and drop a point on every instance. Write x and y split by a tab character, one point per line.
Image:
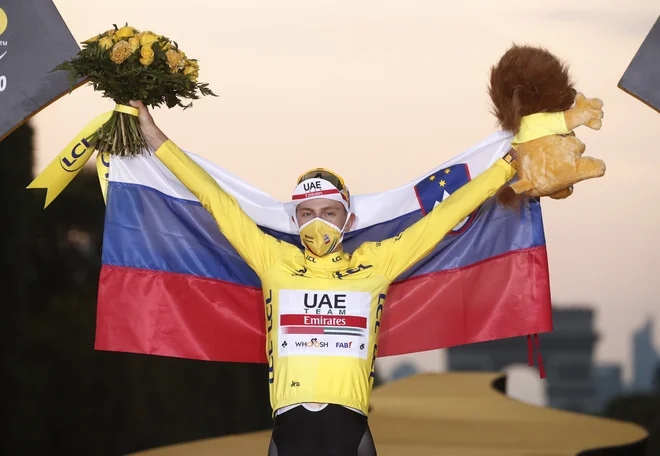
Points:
172	285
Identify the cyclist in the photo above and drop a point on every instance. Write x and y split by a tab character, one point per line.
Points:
322	306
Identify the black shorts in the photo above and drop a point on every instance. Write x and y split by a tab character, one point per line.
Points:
332	431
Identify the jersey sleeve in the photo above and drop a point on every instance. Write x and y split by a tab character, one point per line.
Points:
395	255
257	248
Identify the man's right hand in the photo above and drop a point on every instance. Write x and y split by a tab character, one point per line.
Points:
154	136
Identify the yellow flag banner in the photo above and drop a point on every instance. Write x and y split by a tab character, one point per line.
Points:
62	170
103	170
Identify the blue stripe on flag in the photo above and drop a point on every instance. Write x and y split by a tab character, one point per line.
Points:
147	229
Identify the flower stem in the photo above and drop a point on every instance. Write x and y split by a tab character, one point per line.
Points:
124	139
120	135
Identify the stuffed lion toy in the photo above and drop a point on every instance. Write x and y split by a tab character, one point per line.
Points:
534	98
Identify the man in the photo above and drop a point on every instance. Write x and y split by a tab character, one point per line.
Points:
321	364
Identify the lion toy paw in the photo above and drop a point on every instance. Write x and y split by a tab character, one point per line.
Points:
534	98
587	111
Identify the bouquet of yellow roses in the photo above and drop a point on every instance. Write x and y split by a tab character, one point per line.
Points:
124	64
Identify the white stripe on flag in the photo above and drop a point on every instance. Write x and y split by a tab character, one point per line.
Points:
266	211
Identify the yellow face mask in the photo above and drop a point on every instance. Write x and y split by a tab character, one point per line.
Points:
321	237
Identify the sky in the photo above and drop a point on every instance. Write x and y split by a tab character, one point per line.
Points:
384	91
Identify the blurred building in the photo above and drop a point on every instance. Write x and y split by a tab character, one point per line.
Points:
403	370
609	383
567	354
646	358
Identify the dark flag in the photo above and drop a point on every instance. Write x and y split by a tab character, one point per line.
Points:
642	77
33	40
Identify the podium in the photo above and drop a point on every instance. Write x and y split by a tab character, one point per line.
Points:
457	414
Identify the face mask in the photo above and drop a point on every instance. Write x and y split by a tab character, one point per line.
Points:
321	237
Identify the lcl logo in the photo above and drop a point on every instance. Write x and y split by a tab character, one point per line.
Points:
69	162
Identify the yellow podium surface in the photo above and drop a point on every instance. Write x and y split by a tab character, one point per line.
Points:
455	414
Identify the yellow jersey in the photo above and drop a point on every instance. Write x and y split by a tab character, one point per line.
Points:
323	314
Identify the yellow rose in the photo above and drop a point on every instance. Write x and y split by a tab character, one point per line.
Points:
134	43
174	59
110	32
148	38
191	64
91	40
124	32
105	42
191	70
165	45
120	52
147	55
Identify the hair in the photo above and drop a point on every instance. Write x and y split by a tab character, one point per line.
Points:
528	80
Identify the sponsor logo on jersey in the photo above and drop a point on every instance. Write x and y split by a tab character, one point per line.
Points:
313	343
379	314
340	320
341	274
349	325
269	328
319	301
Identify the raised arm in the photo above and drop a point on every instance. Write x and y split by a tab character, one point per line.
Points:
257	248
397	254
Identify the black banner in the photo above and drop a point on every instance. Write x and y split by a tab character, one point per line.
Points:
642	77
33	40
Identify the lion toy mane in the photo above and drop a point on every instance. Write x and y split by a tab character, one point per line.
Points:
534	98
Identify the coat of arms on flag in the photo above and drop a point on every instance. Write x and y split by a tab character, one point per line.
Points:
437	187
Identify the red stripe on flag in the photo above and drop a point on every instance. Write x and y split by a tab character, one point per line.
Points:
162	313
323	320
179	315
505	296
